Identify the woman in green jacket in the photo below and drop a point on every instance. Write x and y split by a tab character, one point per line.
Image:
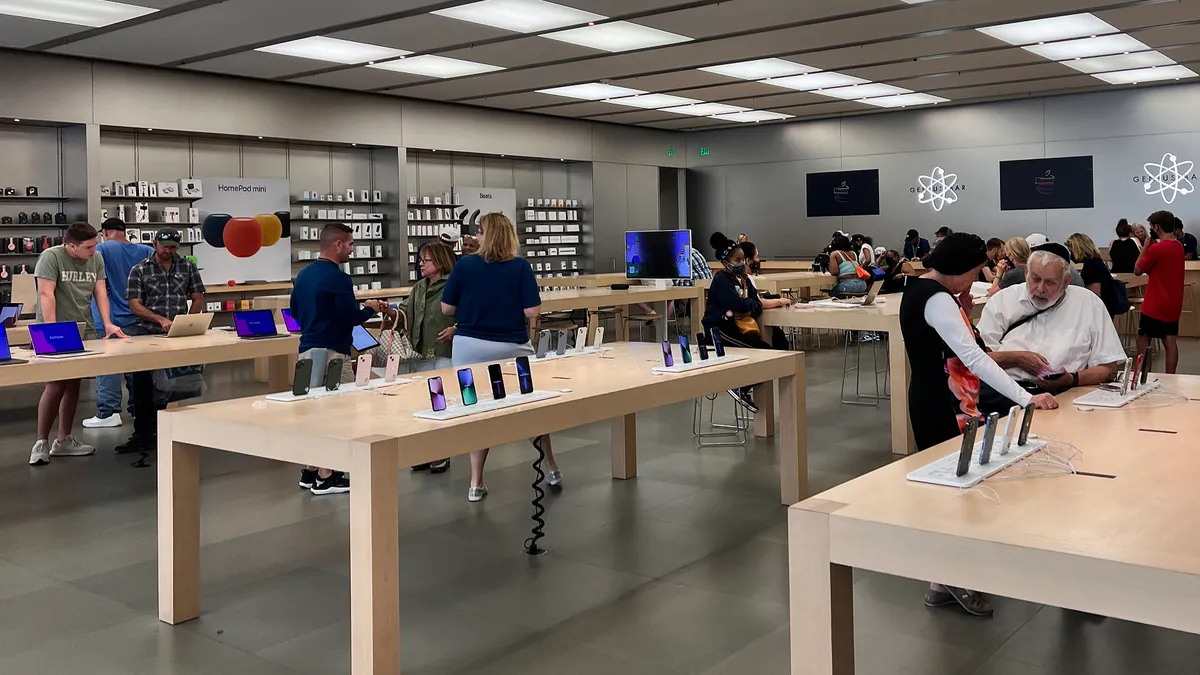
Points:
430	331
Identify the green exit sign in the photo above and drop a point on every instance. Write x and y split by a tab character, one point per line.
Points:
670	152
705	152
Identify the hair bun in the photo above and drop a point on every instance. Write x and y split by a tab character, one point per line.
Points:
719	241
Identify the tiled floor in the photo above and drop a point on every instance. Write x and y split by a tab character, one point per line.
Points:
679	571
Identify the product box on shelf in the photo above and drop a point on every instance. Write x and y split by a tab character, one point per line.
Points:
373	266
190	188
168	189
376	285
105	191
349	194
141	212
376	230
170	214
305	212
378	250
358	230
364	196
377	196
193	215
143	188
153	187
118	189
323	214
121	212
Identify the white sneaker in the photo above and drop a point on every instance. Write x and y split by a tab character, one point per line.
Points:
40	455
99	422
554	478
476	494
70	447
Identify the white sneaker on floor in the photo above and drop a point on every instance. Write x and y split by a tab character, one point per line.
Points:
554	478
98	422
41	453
70	447
476	494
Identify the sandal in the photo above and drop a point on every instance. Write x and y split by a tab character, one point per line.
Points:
971	601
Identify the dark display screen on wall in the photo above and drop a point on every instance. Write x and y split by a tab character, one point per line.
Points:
843	193
1049	183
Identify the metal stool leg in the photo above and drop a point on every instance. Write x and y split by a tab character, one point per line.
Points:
739	431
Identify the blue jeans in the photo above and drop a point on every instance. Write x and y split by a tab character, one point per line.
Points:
848	286
108	390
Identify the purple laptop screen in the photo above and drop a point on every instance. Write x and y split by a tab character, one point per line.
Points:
257	322
55	338
293	326
5	353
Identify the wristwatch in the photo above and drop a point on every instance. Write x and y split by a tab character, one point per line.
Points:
1074	380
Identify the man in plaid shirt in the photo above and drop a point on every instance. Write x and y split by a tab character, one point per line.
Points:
159	289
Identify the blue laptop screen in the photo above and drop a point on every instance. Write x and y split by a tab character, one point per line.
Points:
9	312
362	339
256	322
293	326
5	353
55	338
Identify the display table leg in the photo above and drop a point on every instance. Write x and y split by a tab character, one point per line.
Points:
822	599
793	436
764	419
624	447
178	527
902	438
280	371
374	562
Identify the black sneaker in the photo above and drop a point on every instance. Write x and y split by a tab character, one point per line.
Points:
307	478
337	483
136	445
744	399
421	467
440	466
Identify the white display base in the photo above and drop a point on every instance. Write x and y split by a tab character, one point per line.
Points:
1102	398
836	304
697	364
460	410
941	472
586	351
348	388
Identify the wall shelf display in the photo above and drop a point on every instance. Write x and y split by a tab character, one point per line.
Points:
159	200
18	199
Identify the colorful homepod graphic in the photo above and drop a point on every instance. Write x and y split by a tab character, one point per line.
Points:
244	236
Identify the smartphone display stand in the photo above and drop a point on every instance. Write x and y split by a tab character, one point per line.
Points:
586	351
942	471
1103	398
697	364
459	410
347	388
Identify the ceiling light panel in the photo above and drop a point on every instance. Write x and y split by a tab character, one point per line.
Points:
706	109
1048	30
521	16
593	91
618	36
1101	45
334	50
753	116
761	69
814	81
430	65
94	13
653	101
1106	64
903	100
860	91
1146	75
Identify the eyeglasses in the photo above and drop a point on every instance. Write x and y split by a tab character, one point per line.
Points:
426	260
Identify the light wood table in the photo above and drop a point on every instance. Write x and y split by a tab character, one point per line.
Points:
806	284
374	435
1122	547
585	280
592	299
772	266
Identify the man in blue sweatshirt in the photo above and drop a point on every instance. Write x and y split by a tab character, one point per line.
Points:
323	302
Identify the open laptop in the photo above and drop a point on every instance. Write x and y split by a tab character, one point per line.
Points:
57	340
865	301
9	313
256	324
6	358
293	326
187	325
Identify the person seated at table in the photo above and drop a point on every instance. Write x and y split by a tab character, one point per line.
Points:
733	306
915	248
948	363
1069	327
995	251
1095	273
843	264
863	247
1020	255
1143	236
1124	250
1187	239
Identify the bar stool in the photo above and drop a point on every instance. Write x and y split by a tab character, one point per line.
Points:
856	344
739	431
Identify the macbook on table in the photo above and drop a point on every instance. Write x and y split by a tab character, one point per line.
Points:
9	313
57	340
256	324
187	325
6	358
293	326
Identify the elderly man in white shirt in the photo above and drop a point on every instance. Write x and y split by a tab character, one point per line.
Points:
1067	325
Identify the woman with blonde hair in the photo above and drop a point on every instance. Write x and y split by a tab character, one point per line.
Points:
1095	273
493	294
1012	263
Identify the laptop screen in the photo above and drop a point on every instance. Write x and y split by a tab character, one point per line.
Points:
255	322
10	313
55	338
362	339
5	352
293	326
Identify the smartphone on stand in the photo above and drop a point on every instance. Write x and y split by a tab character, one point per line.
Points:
581	339
392	369
333	374
1146	365
989	437
362	375
599	339
718	347
466	384
1127	376
700	342
1137	372
437	395
1026	422
543	344
524	375
302	377
1010	428
563	336
968	445
685	349
496	376
668	360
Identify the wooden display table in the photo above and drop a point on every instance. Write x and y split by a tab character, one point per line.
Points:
806	284
592	299
1118	544
374	435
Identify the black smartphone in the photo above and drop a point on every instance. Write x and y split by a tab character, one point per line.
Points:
437	395
968	444
524	376
1026	422
1146	366
333	374
668	360
700	341
989	437
718	347
685	349
466	383
302	378
497	378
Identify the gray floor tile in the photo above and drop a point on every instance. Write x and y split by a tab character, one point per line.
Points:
756	570
34	619
645	547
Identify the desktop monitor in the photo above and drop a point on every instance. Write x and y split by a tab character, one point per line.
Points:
254	322
658	254
55	338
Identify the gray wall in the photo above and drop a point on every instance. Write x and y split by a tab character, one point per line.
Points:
626	199
754	179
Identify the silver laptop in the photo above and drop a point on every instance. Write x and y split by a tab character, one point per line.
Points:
187	325
866	301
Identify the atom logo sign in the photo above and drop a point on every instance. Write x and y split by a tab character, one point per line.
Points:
1168	179
938	189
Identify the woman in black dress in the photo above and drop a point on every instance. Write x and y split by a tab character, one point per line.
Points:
1124	250
949	361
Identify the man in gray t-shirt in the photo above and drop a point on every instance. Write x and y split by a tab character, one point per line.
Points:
68	277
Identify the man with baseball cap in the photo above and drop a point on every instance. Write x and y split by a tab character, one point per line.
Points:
159	289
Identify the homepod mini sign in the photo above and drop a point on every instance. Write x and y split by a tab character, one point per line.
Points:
246	224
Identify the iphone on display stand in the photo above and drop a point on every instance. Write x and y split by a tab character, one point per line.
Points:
393	368
1137	372
1125	379
563	336
668	360
685	349
362	376
968	444
524	375
718	347
302	377
1026	423
543	344
989	437
466	383
437	395
496	376
581	339
333	374
1010	428
599	339
703	347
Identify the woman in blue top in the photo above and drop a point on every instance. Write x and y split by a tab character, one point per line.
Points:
843	264
493	295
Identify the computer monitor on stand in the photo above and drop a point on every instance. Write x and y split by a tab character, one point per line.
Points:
658	256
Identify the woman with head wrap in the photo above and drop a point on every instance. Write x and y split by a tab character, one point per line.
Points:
949	361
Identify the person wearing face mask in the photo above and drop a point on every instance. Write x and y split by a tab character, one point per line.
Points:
734	304
753	263
949	361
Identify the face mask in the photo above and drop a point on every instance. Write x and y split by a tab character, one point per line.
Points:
738	269
755	266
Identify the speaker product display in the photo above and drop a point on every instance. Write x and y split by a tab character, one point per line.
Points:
6	220
27	244
47	218
36	218
31	191
22	218
10	245
272	228
243	237
214	229
285	220
10	192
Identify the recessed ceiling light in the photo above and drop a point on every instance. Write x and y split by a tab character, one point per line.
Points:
260	138
902	100
761	69
437	66
1151	74
1106	64
593	91
863	91
334	50
706	109
814	81
149	130
1083	48
752	116
1047	30
94	13
650	101
521	16
16	120
618	36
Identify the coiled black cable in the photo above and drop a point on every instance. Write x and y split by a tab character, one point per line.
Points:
531	544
